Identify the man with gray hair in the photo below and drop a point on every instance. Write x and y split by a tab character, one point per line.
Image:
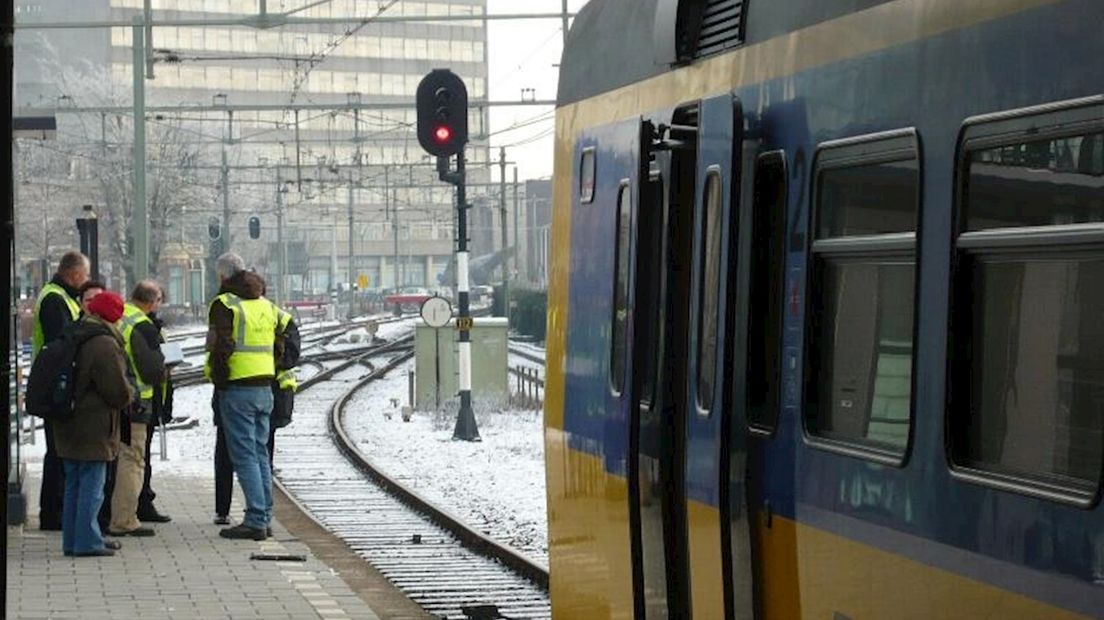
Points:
243	343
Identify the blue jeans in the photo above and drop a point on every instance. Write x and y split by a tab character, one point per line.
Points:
245	413
84	493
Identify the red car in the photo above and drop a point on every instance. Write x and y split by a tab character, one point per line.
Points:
408	299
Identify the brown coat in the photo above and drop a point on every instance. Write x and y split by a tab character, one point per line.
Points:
102	391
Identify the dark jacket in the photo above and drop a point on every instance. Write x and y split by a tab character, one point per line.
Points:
283	401
149	362
53	314
102	391
220	331
162	393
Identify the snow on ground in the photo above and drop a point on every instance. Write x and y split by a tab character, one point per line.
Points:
190	451
496	486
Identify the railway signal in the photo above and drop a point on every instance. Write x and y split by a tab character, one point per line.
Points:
214	228
442	101
254	227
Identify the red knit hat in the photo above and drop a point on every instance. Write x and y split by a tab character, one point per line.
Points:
108	305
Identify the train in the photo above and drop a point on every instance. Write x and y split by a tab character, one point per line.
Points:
825	332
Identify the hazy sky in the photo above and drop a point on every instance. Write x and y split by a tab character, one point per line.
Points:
524	54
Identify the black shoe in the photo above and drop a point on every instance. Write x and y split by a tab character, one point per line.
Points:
152	516
138	531
243	532
113	544
95	553
268	531
222	520
49	526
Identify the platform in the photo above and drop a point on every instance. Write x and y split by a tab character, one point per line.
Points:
186	571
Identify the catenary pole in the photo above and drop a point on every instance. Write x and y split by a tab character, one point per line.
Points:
224	182
517	239
352	255
140	216
505	236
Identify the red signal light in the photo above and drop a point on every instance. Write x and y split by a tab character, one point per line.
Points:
442	134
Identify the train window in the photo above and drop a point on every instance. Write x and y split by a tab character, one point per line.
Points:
710	288
1028	358
859	382
621	288
768	271
586	176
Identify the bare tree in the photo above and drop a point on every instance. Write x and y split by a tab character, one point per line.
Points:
101	145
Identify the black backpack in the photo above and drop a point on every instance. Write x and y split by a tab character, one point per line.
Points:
51	386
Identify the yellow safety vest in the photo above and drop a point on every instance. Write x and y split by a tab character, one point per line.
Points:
286	379
255	324
38	337
132	318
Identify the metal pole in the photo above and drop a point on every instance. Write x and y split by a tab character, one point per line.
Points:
333	265
352	255
225	184
505	237
140	221
437	366
466	428
281	242
393	211
517	239
147	13
298	155
566	24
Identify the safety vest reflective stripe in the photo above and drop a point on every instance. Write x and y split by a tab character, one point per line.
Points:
254	326
38	337
133	316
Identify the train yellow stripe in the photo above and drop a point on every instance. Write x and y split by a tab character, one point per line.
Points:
590	575
811	573
804	571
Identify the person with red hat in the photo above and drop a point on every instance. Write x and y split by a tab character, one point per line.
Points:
90	439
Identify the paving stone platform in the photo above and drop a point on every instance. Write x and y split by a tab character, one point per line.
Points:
186	571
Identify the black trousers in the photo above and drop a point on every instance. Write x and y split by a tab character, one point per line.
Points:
224	469
53	485
146	497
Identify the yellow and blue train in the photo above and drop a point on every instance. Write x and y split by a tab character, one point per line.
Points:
826	310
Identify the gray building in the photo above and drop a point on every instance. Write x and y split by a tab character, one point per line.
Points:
313	167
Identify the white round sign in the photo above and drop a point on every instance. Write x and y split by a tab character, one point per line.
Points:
436	311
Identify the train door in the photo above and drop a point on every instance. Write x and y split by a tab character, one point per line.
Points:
651	445
712	304
601	320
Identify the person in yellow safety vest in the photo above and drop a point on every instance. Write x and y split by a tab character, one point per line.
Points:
283	398
243	343
146	370
55	309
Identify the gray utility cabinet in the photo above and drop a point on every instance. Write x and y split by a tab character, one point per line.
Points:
489	362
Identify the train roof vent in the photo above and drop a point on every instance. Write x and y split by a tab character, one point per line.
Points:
722	27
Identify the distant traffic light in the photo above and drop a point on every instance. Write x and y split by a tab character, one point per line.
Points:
442	113
254	227
214	228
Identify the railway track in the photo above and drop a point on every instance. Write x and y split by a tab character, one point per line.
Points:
444	565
